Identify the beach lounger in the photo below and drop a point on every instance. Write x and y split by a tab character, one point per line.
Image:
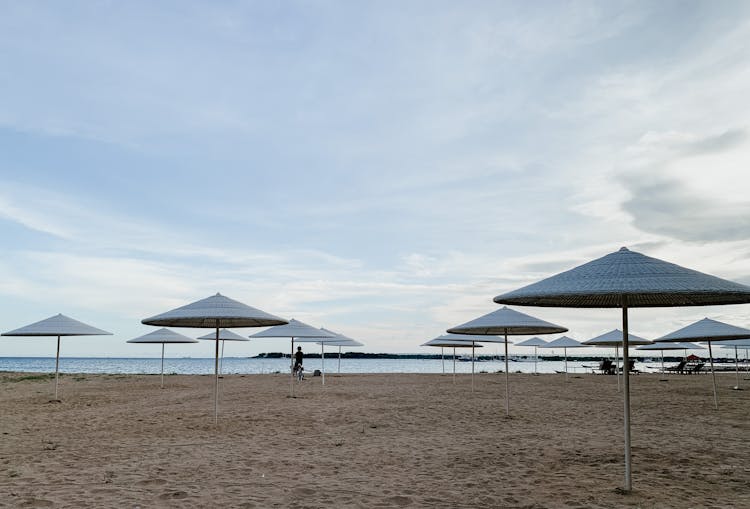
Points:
606	367
680	368
695	369
631	367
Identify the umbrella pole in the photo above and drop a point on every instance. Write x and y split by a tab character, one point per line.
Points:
442	357
617	366
713	376
737	368
507	380
454	364
626	391
662	361
57	366
291	369
322	363
216	377
339	359
535	359
472	366
221	359
162	365
565	354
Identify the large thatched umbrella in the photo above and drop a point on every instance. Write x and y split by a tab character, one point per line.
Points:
58	325
215	312
295	330
707	330
506	322
614	338
626	279
162	336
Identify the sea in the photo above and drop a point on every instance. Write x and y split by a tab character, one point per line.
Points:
244	365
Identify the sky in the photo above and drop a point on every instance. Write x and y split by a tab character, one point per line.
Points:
382	169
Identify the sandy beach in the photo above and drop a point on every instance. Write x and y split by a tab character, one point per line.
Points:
370	441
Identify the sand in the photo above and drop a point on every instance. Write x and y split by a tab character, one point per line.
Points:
370	441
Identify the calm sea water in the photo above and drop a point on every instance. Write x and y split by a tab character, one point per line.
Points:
238	365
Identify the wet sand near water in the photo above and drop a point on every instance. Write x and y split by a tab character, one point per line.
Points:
386	440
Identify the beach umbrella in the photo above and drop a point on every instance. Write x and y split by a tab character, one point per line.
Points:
706	331
224	335
737	344
626	279
162	336
507	322
451	343
565	342
58	325
614	338
215	312
473	340
342	341
535	342
670	346
296	331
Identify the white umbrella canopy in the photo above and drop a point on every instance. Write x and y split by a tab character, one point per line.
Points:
340	341
215	312
162	336
296	331
707	330
536	343
614	338
565	342
224	335
626	279
505	322
58	325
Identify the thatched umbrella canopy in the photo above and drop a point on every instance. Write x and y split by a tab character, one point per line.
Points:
626	279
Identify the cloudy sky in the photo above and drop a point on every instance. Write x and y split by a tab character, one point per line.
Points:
383	169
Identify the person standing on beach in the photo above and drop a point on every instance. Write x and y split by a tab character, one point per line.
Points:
298	360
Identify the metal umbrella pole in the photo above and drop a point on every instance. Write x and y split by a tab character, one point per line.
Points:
57	366
737	369
507	379
162	365
322	363
617	366
472	366
291	369
216	377
442	357
713	376
454	364
339	359
626	391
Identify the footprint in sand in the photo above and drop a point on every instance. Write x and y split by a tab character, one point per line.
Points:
152	482
399	501
173	495
36	502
